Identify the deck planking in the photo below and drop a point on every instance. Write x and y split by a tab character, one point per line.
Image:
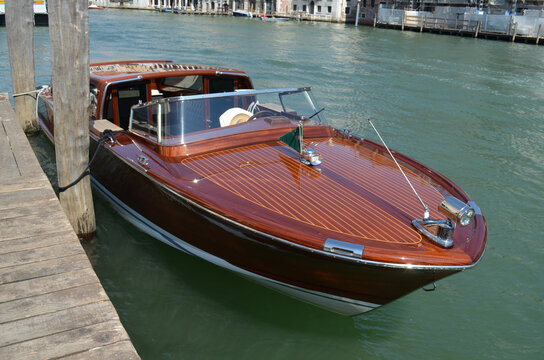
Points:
52	304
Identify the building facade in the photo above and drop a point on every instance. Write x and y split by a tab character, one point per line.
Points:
330	10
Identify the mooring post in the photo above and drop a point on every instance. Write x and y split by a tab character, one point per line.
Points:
538	33
69	36
477	28
20	33
515	32
357	13
403	20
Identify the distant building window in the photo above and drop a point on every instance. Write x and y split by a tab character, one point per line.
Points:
363	15
295	7
318	8
347	10
372	3
364	3
329	9
303	7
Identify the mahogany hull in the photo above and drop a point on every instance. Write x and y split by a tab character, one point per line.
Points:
337	283
342	234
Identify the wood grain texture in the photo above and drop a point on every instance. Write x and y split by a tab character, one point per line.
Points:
69	31
98	341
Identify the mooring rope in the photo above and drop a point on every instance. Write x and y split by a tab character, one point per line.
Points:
28	92
106	135
38	92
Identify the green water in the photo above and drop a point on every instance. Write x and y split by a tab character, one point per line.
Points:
472	109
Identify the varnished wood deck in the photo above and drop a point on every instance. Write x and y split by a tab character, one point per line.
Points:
52	304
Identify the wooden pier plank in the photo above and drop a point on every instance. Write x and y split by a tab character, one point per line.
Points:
52	304
7	160
121	349
85	341
64	320
16	227
34	242
43	268
46	284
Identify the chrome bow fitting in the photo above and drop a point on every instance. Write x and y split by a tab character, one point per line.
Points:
309	156
456	211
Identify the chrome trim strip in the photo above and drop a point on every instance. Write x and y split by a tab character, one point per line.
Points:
302	247
344	248
218	72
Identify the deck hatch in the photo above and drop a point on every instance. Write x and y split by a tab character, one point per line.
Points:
344	248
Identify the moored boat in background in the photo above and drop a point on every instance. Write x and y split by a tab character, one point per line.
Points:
41	16
242	13
255	181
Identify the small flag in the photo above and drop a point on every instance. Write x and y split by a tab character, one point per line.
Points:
293	139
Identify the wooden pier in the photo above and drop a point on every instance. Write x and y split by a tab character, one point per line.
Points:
52	304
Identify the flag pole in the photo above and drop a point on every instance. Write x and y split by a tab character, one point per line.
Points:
301	136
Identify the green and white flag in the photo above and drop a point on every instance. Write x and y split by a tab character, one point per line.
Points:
293	138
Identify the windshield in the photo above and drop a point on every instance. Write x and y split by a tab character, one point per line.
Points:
185	119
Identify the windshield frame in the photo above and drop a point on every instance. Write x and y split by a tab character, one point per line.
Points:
282	92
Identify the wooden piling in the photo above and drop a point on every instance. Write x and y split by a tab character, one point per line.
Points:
375	18
20	33
422	24
477	28
69	33
538	33
515	32
403	20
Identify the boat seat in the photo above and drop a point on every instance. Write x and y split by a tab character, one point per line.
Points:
97	127
234	116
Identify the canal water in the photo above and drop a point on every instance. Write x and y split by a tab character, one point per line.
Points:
472	109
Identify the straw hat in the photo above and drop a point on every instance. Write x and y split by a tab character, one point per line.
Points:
234	116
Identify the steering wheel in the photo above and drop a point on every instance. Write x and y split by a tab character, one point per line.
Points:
262	113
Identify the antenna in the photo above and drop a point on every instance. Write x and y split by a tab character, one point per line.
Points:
426	212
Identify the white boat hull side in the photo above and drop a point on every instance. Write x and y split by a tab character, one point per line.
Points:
341	305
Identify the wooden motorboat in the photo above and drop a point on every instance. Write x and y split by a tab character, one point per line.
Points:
192	155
